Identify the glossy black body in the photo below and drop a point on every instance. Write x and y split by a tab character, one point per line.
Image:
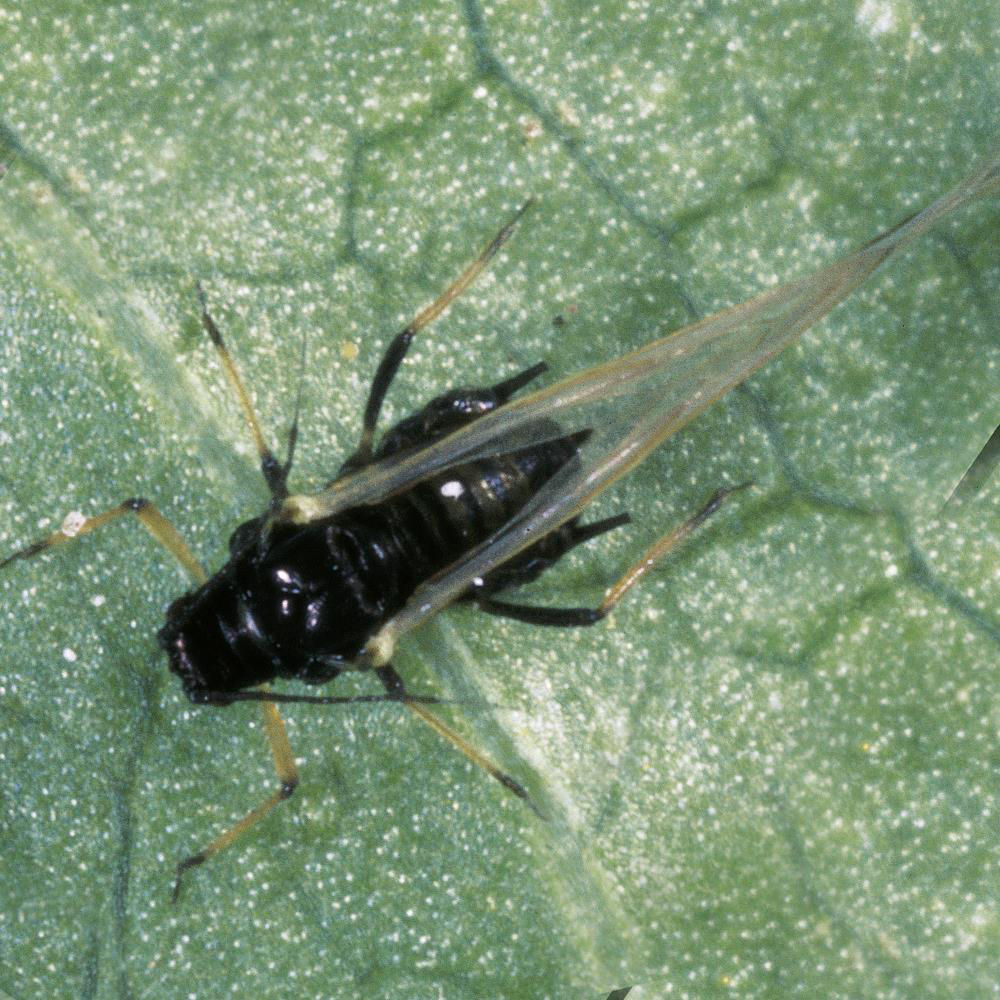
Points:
301	601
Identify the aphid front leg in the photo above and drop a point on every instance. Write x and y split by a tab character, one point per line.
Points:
288	777
394	685
148	514
167	535
576	617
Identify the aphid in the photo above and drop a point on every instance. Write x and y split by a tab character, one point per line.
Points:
474	494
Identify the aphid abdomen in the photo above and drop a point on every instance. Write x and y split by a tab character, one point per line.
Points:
379	555
450	512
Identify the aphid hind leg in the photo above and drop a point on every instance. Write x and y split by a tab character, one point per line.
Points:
149	516
576	617
400	344
288	778
394	685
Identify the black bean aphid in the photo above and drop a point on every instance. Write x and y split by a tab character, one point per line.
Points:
300	601
479	491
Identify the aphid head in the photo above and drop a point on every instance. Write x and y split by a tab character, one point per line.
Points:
213	642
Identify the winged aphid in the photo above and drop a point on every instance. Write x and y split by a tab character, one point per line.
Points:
479	491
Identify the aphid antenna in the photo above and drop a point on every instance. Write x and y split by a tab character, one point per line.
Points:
272	470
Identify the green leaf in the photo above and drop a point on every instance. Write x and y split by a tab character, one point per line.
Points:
774	771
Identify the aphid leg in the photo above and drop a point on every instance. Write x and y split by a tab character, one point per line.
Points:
158	526
574	617
168	536
393	357
533	561
288	776
275	473
394	685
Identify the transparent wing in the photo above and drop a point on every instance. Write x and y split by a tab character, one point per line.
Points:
631	403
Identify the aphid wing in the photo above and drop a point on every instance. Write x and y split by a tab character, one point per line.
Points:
634	402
